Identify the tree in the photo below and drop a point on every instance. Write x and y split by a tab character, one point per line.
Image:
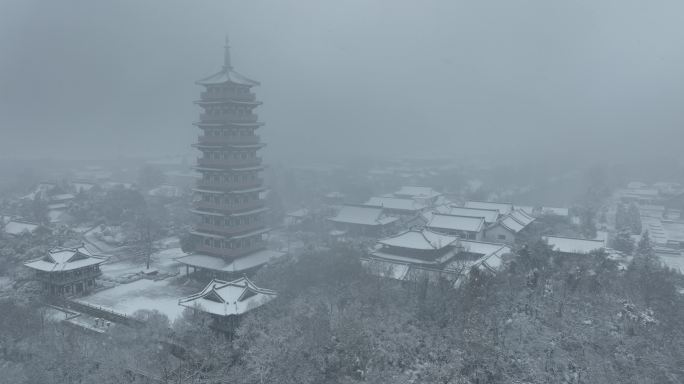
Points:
623	242
645	254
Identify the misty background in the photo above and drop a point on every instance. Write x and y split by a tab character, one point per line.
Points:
529	79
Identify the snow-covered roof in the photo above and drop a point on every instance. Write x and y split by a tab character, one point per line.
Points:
489	215
503	208
417	192
65	259
456	223
352	214
521	217
395	203
240	264
16	227
226	298
511	224
424	239
573	245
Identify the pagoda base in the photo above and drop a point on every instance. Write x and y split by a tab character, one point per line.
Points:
218	266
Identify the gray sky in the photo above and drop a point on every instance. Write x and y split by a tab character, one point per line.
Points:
83	79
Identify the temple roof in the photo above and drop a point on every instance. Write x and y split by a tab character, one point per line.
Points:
395	203
489	215
226	298
573	245
227	74
65	259
240	264
352	214
456	223
423	239
503	208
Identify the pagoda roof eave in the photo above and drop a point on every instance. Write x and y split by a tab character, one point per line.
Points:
237	146
228	101
215	124
227	75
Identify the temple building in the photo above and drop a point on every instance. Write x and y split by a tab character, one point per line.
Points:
232	215
225	301
507	229
359	220
424	254
465	227
67	271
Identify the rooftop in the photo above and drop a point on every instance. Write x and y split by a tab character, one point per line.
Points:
65	259
503	208
456	223
240	264
573	245
395	203
423	239
352	214
225	298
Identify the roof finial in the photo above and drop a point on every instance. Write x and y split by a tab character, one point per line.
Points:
226	58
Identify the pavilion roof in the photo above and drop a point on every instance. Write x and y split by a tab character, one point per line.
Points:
65	259
226	298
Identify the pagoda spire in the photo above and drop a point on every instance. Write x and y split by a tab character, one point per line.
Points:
226	58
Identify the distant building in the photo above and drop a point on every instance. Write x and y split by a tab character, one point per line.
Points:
426	195
67	271
17	227
508	227
226	301
574	246
397	206
424	254
489	215
232	226
502	208
465	227
362	220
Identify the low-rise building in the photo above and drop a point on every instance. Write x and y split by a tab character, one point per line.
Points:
362	220
226	301
574	246
67	271
465	227
502	208
508	227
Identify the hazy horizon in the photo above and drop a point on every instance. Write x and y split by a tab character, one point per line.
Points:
529	80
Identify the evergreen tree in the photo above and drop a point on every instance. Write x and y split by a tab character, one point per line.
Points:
623	242
645	254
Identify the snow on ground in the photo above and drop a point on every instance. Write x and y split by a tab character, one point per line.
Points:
161	295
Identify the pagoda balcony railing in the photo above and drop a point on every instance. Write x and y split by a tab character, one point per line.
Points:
248	206
229	140
67	277
211	96
230	230
227	186
230	252
228	118
230	163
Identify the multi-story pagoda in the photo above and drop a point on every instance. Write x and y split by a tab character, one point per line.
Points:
232	214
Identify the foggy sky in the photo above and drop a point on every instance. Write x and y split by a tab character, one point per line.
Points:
594	78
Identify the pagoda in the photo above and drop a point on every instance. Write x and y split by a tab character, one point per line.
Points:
232	215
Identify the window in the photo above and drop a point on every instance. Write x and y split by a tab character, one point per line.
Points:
501	237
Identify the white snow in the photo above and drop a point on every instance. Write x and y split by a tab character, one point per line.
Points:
573	245
128	298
